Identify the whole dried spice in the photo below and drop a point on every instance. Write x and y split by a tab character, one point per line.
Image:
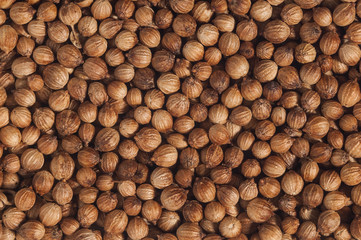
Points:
50	214
335	200
276	31
173	198
292	183
107	140
167	118
259	210
189	230
289	78
12	218
248	190
328	222
269	187
25	199
32	229
62	166
291	14
212	156
8	38
317	127
204	190
42	182
312	195
269	231
55	76
307	230
95	68
165	156
350	174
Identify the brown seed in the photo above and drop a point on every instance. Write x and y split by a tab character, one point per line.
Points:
221	175
193	211
349	94
248	190
283	56
349	53
42	182
184	25
69	225
32	229
12	218
227	195
25	199
162	121
281	143
352	145
189	230
330	180
193	51
344	14
107	140
165	156
86	177
251	168
350	172
95	68
230	227
163	61
11	163
62	193
10	136
8	38
25	46
292	183
317	127
163	18
132	206
32	160
312	195
276	31
321	152
310	32
202	11
328	222
237	66
269	231
274	166
55	76
21	13
50	214
309	170
204	190
58	31
335	200
177	105
259	210
219	134
128	149
269	187
307	230
20	117
181	6
87	215
192	88
288	77
69	56
291	14
173	198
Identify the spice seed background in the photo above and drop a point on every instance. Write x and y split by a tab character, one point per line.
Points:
180	119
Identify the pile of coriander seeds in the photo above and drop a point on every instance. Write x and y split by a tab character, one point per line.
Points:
180	119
